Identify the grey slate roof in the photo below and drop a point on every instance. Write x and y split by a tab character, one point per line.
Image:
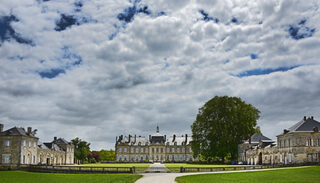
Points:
305	125
255	138
179	140
61	141
16	131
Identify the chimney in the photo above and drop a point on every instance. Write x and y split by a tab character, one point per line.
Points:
285	131
174	138
305	118
186	138
54	138
135	138
249	140
149	137
29	130
129	138
165	138
1	127
312	117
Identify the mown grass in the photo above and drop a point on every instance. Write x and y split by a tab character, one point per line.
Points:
294	175
176	166
29	177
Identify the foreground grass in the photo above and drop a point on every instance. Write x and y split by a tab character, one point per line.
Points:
28	177
294	175
176	166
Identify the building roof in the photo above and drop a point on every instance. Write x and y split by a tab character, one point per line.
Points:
255	138
15	131
62	141
305	125
183	140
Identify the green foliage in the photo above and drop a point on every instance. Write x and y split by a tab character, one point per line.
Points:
293	175
221	124
82	149
107	155
27	177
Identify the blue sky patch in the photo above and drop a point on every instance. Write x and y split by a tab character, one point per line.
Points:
206	17
300	30
234	20
7	32
264	71
65	22
253	56
128	15
52	73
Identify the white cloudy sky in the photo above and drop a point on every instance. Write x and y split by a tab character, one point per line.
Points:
97	69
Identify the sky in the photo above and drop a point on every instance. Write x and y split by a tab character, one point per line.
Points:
97	69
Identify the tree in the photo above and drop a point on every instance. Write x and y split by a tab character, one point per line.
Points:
94	157
107	155
81	149
221	124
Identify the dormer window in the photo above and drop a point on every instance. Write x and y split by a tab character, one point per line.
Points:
175	143
139	143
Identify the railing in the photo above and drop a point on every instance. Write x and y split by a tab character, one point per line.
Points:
231	168
79	169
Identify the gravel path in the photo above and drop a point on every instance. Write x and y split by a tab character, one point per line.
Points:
170	177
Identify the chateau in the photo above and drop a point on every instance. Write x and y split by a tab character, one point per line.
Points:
158	148
21	147
299	144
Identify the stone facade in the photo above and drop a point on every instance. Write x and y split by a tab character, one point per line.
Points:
299	144
155	149
21	147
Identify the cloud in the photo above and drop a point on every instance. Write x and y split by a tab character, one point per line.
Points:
99	69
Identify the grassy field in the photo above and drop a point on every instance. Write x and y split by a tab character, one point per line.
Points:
176	166
28	177
139	166
295	175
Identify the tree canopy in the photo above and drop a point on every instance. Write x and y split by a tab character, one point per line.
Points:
81	149
107	155
221	124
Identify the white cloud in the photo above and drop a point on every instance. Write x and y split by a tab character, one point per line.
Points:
155	69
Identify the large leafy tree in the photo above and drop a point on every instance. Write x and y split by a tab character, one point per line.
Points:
107	155
82	149
221	124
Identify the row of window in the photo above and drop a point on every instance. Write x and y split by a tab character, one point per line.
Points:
154	150
309	142
156	158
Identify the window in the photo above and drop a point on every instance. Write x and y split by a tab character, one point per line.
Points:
161	150
289	143
178	150
24	143
141	150
120	149
137	150
7	143
147	150
6	158
172	150
157	150
152	150
132	150
318	142
168	149
125	149
29	143
309	142
183	149
190	150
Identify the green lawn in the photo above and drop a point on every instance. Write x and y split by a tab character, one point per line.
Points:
294	175
176	166
138	166
28	177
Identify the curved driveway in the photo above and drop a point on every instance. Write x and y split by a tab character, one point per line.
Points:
170	177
